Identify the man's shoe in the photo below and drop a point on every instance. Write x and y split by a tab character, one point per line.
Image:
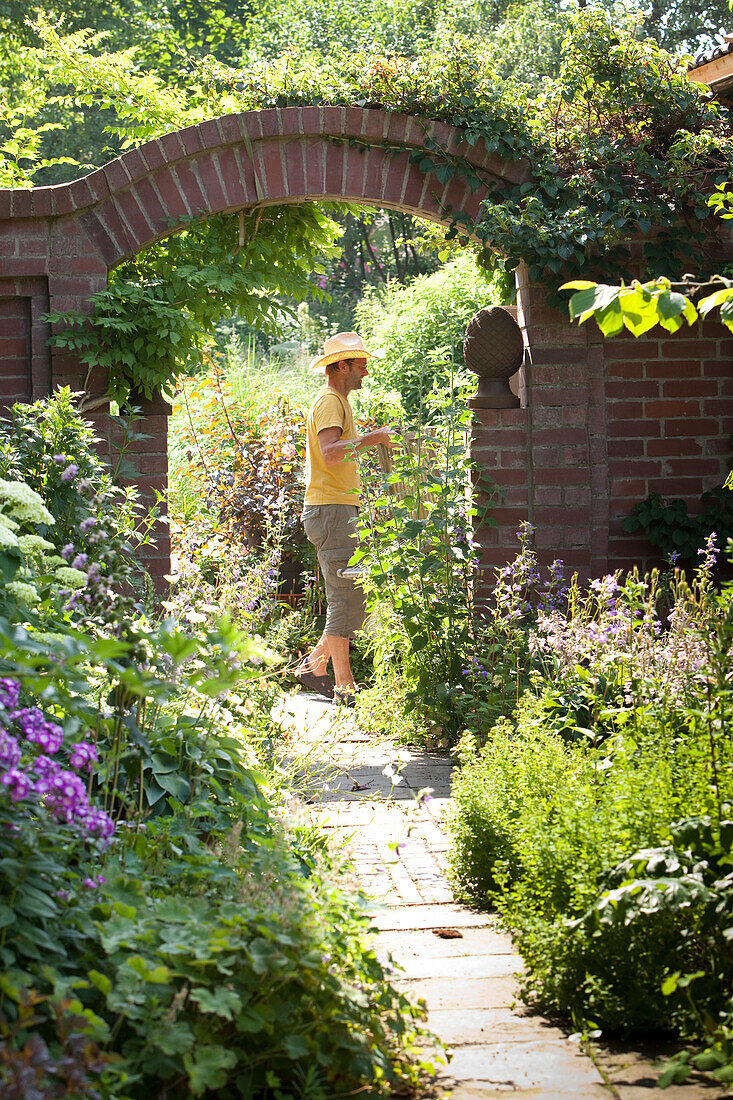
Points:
344	698
322	685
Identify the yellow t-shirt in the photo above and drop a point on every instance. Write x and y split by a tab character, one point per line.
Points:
330	484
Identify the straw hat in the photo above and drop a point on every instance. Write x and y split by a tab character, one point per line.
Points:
344	345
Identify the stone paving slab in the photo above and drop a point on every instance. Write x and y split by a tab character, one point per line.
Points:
407	945
553	1068
430	916
463	967
467	993
461	1026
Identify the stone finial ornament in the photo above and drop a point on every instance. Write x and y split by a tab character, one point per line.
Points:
493	349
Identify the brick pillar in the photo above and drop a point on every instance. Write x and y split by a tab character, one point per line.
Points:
499	446
144	463
566	454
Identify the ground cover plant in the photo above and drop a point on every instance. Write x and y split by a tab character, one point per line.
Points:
596	815
163	931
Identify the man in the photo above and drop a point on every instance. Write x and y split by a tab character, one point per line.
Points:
331	506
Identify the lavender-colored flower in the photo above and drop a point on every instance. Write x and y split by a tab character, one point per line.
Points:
36	728
70	472
9	750
64	794
18	783
94	883
79	561
98	823
83	755
9	693
62	895
68	551
87	524
60	460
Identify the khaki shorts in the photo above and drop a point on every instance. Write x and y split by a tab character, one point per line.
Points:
332	530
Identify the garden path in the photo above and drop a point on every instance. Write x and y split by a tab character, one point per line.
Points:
458	960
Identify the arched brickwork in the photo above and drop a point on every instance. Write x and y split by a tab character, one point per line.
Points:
605	422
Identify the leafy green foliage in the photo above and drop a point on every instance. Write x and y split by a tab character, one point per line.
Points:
238	1019
669	527
416	545
155	317
621	916
619	142
419	329
641	306
205	949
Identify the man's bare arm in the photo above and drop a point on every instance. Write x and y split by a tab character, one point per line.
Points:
335	449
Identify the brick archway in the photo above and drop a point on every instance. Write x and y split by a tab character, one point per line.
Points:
58	243
604	424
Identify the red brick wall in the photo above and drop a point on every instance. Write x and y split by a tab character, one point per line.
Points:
15	350
669	406
607	423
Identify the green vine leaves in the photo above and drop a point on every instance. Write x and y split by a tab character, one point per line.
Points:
639	307
154	319
622	142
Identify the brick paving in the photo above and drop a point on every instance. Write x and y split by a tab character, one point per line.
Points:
458	960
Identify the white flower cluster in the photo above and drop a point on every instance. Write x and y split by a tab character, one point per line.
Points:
8	523
32	544
24	503
73	578
26	593
8	540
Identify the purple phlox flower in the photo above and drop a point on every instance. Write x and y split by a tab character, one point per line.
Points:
64	794
92	573
59	459
79	561
98	823
18	783
94	883
62	895
599	634
9	693
67	551
605	589
87	524
70	472
83	755
36	728
9	750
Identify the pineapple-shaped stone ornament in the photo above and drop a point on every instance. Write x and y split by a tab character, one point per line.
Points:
494	350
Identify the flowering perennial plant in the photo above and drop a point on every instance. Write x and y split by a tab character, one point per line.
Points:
34	777
626	632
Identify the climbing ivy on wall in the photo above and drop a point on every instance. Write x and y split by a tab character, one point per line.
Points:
622	145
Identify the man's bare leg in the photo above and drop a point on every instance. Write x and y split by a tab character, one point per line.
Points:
339	650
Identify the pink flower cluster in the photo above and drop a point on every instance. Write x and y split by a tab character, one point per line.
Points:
40	778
